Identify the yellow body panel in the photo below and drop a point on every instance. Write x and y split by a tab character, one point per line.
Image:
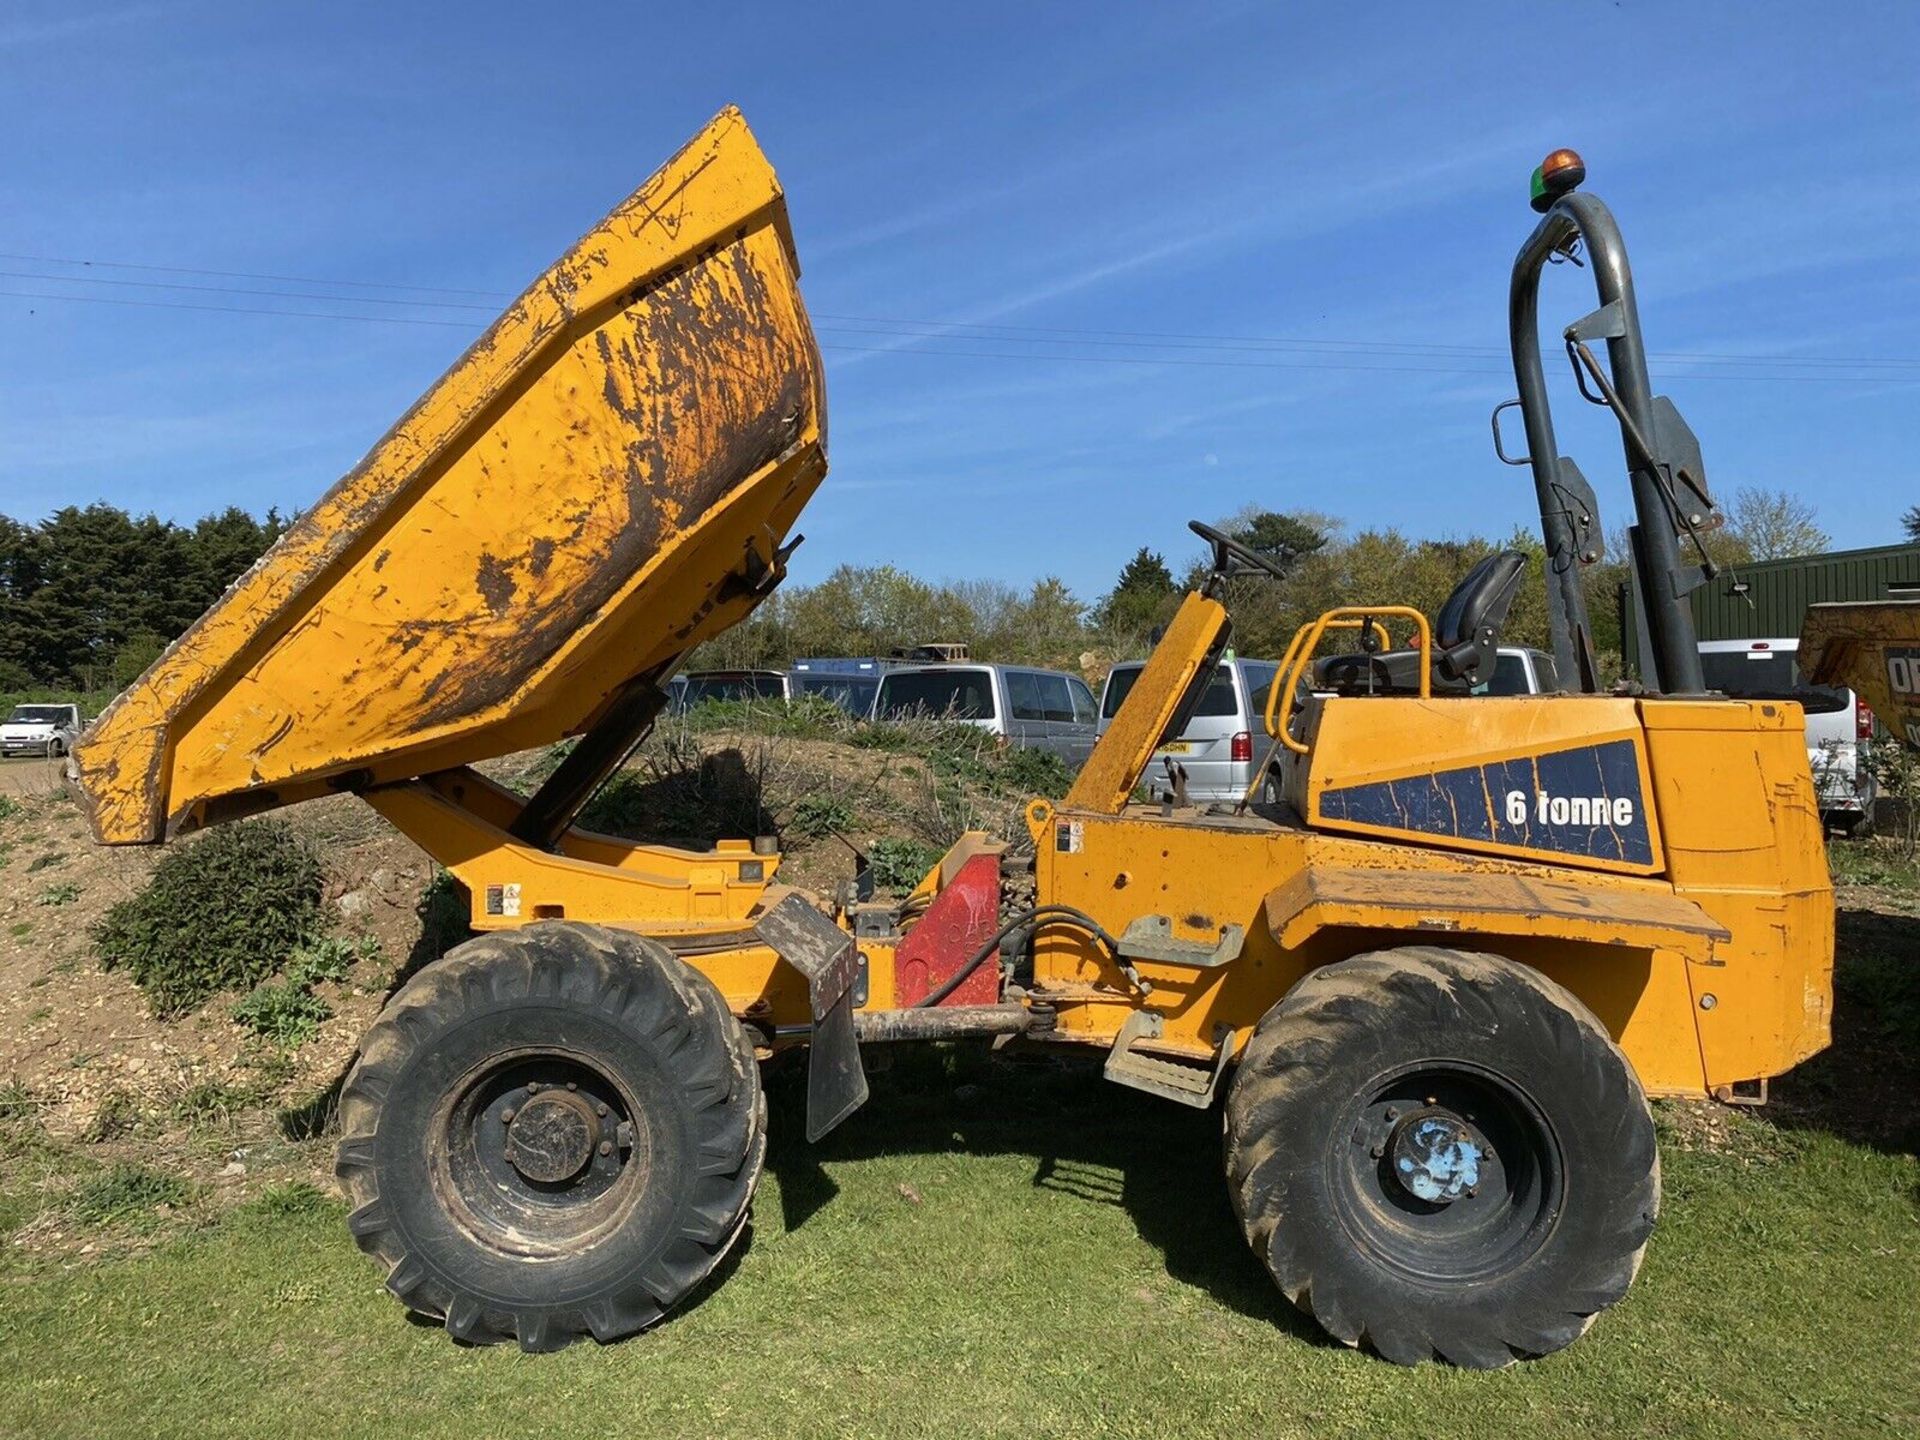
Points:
600	482
1711	964
1371	744
1106	781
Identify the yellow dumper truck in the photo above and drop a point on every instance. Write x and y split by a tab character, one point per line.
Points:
1430	989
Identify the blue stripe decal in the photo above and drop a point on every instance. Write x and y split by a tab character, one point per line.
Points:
1585	801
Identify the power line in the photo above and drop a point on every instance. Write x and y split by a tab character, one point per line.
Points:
942	326
236	309
1477	351
231	290
250	275
1322	365
1302	363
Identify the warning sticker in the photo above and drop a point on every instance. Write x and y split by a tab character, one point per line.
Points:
503	900
1067	837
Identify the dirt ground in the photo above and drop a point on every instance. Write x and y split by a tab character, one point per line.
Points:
82	1040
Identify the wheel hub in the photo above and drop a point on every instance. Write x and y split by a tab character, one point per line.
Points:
1435	1155
552	1136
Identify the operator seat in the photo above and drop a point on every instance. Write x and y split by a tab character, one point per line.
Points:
1468	631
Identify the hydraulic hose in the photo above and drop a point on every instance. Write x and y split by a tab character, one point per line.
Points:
1039	915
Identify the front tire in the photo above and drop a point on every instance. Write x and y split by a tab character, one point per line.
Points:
550	1133
1442	1155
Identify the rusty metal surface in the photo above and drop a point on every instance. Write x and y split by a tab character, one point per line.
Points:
1462	902
603	479
1872	648
957	922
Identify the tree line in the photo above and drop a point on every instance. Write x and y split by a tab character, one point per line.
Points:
89	596
871	610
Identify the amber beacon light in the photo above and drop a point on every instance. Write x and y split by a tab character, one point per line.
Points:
1560	172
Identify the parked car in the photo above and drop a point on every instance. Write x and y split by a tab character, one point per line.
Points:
1519	670
40	730
704	685
849	682
1839	724
1033	709
1225	740
1222	742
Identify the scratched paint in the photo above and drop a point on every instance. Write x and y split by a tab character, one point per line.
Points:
1585	800
599	483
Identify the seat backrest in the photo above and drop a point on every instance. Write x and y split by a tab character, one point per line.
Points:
1469	626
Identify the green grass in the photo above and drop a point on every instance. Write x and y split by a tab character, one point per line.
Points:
1880	862
1066	1264
126	1194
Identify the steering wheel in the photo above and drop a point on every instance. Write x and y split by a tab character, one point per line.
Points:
1226	549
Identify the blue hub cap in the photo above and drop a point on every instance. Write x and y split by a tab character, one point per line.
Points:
1435	1156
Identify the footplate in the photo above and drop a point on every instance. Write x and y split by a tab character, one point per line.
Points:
828	957
1191	1082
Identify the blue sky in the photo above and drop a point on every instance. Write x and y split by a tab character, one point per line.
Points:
1002	212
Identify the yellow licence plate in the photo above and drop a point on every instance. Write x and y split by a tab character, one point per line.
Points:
1178	747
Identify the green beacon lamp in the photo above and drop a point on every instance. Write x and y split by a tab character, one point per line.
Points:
1559	173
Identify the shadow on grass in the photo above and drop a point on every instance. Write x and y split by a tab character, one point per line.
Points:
1088	1138
1861	1088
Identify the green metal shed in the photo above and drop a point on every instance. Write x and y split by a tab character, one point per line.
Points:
1769	598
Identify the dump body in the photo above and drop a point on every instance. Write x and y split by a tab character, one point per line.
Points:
604	479
1873	648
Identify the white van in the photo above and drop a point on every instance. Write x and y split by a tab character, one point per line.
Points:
40	730
1839	724
1032	709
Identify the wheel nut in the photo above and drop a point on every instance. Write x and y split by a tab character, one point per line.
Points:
600	1109
572	1086
606	1147
1377	1151
506	1116
1393	1112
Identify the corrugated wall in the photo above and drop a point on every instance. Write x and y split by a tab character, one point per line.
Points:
1769	600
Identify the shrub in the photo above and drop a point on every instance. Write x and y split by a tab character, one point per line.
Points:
9	807
329	957
214	1102
117	1118
17	1103
283	1013
124	1192
57	895
219	914
817	815
900	864
810	717
1036	772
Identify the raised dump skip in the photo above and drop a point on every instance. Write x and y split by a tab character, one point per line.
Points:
607	477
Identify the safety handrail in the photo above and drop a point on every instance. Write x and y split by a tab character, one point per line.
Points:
1306	640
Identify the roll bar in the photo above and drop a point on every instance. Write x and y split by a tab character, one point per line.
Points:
1663	464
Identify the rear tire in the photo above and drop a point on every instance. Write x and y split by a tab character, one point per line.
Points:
595	1207
1442	1155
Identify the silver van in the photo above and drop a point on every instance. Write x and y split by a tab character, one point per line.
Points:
1033	709
1839	724
1220	746
853	691
704	685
